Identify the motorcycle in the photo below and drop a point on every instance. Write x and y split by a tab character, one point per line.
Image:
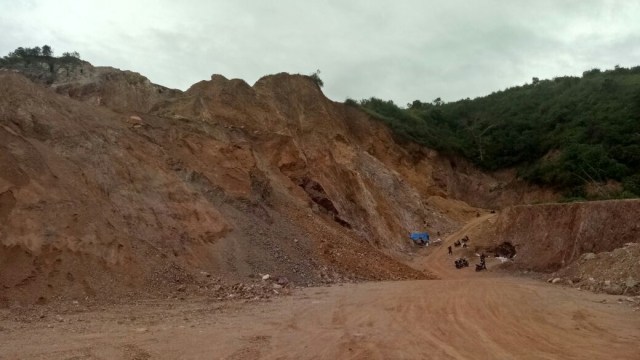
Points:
461	262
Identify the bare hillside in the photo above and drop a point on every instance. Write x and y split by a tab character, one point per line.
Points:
146	190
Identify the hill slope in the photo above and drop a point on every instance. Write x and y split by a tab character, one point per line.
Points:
568	132
119	198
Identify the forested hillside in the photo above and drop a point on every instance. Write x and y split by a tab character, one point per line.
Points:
566	132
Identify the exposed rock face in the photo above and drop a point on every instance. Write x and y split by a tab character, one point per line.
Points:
110	186
118	90
550	236
322	152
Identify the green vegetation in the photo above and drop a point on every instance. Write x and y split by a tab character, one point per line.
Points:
563	132
316	78
44	53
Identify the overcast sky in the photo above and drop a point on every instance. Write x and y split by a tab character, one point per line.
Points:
399	50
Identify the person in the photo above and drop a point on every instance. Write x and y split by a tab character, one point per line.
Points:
450	252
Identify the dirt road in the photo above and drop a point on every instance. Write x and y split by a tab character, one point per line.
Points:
437	261
466	315
499	318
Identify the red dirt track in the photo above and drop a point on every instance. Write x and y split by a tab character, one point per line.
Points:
475	316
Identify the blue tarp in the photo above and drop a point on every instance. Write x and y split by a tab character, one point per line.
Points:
419	236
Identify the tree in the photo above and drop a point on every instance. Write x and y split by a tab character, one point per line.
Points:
416	105
47	51
316	78
350	102
74	54
535	80
36	51
475	128
563	133
19	52
592	72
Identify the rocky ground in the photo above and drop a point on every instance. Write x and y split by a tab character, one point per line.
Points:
484	315
614	272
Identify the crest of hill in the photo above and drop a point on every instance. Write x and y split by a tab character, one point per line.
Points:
122	91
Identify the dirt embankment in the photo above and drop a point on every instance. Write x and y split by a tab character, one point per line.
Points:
551	236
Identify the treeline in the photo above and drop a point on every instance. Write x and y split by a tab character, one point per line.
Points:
564	132
44	52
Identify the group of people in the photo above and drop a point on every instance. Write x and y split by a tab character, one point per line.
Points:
462	242
462	262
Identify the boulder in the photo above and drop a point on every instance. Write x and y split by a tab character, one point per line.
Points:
614	289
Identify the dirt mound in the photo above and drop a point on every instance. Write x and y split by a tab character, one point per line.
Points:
615	272
551	236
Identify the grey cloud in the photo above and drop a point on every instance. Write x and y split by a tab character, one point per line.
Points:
394	50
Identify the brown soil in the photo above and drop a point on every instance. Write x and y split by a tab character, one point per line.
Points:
486	315
131	217
548	237
121	189
479	316
615	272
592	246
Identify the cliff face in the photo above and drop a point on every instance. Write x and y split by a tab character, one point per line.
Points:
111	187
551	236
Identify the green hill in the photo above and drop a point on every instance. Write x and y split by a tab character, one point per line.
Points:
565	132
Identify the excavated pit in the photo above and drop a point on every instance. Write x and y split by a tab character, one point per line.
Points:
506	249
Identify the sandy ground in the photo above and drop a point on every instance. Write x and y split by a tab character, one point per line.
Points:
484	318
465	315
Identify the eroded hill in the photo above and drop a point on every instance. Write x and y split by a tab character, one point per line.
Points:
113	186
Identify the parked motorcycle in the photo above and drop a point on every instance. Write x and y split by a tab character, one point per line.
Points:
461	262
